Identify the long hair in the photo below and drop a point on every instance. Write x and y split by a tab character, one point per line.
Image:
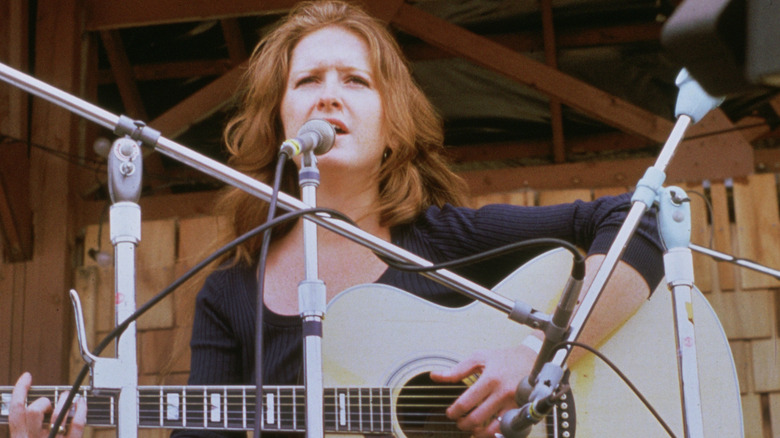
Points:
414	174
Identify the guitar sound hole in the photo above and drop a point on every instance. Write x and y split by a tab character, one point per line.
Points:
421	408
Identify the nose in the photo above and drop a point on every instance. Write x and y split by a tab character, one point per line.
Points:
330	96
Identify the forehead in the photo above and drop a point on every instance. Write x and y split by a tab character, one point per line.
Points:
328	46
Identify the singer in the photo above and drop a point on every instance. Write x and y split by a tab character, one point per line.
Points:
330	60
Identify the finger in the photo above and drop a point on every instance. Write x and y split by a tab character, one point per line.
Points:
79	418
482	415
459	371
17	406
467	401
33	416
57	409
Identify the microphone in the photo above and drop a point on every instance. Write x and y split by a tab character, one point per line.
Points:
316	135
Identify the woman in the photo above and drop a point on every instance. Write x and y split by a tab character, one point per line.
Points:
332	61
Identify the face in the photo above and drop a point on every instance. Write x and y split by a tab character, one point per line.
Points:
331	78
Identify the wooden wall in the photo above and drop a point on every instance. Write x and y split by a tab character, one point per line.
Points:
744	221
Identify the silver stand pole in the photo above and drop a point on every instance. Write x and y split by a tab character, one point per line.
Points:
311	303
120	373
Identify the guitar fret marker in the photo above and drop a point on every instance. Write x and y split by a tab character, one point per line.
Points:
269	408
215	408
342	409
172	406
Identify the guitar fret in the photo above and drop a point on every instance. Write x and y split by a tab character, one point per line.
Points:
362	410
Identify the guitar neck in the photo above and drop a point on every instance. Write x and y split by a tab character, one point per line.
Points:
364	410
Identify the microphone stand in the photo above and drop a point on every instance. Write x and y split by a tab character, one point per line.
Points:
121	373
311	303
693	102
743	263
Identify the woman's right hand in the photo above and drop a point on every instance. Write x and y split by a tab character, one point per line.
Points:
27	421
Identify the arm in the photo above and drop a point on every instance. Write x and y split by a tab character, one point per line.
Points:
500	371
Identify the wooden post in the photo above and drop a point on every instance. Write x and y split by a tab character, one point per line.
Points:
46	321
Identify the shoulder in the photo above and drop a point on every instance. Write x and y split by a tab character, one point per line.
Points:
227	279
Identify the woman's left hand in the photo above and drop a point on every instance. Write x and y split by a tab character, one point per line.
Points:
500	371
27	421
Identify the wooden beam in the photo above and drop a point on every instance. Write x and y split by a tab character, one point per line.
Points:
173	70
47	322
608	173
570	91
199	105
234	41
535	149
15	212
103	15
122	71
551	58
522	41
157	207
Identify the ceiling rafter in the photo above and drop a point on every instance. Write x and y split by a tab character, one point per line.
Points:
551	58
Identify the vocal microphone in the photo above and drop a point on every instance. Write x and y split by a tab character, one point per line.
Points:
316	135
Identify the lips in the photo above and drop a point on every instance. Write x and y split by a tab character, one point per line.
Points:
339	126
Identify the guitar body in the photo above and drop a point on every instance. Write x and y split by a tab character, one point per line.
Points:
377	335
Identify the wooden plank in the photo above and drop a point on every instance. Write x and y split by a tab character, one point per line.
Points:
157	207
758	227
714	155
722	236
198	238
766	372
525	197
740	351
552	197
158	243
746	315
751	414
591	174
774	414
700	235
163	352
151	280
47	319
113	15
15	213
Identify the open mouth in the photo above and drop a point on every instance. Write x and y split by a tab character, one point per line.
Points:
338	126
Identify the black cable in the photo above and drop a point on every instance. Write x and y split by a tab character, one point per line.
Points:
578	268
623	377
281	161
119	329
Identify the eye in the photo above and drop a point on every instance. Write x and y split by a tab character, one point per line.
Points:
353	79
305	80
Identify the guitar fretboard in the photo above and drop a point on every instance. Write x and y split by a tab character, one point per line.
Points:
363	410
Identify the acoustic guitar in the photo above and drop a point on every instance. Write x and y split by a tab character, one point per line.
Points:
380	343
